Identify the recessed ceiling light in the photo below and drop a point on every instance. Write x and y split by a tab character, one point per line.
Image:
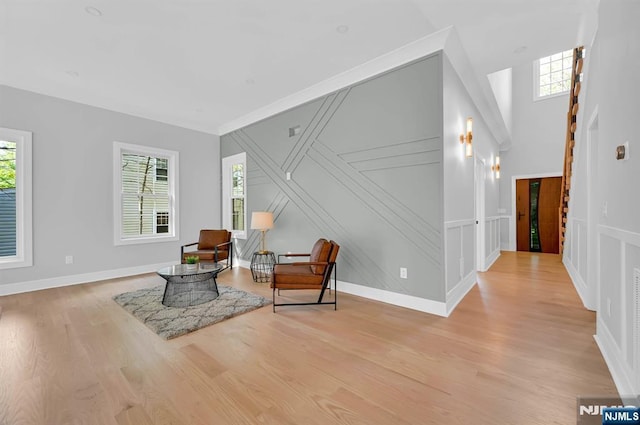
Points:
520	49
93	11
342	29
72	73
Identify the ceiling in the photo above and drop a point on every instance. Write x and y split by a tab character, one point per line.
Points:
202	63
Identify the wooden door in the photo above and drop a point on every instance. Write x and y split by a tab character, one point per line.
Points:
548	220
537	203
522	215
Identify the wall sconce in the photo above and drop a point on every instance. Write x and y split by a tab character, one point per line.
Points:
496	168
466	139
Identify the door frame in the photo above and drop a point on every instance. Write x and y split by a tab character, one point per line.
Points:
514	230
480	177
593	273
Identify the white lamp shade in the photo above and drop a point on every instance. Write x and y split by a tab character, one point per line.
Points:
261	220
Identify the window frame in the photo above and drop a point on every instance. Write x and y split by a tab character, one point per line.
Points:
227	186
173	159
536	79
24	198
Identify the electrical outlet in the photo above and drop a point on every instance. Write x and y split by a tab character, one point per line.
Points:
68	259
288	175
403	272
609	306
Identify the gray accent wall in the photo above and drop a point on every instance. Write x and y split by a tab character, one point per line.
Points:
366	170
73	184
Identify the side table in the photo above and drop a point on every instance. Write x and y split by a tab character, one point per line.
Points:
262	266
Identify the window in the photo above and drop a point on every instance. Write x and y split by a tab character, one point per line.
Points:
161	170
145	196
234	194
162	222
15	199
552	75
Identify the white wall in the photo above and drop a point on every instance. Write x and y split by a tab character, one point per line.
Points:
619	228
72	188
581	237
459	189
539	134
614	60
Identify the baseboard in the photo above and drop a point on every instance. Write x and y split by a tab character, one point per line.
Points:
394	298
578	283
613	357
455	295
56	282
242	263
491	259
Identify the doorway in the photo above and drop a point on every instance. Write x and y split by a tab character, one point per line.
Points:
537	219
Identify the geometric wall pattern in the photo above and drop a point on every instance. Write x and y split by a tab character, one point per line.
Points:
366	167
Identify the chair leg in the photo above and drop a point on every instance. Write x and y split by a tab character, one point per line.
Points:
335	288
274	300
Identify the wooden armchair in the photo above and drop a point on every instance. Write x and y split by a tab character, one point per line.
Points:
213	246
312	274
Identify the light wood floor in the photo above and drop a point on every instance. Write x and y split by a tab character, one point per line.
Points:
517	350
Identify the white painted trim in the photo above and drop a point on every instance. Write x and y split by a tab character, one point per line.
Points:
56	282
492	258
513	230
227	182
401	300
394	298
173	161
623	235
613	357
508	246
495	254
405	54
578	283
459	223
480	231
24	199
243	263
593	277
458	292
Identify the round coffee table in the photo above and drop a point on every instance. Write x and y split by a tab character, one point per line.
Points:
189	285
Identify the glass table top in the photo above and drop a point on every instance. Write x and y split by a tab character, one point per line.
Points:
190	269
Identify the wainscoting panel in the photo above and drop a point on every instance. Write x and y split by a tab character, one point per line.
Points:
575	258
618	310
492	240
505	229
460	262
366	170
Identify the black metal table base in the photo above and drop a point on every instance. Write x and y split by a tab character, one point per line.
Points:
190	290
262	266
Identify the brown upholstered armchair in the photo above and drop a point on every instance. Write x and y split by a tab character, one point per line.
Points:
214	246
312	274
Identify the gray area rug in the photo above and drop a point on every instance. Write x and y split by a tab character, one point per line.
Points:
171	322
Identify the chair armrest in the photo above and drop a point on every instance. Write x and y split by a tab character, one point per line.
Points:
182	250
309	263
292	255
223	244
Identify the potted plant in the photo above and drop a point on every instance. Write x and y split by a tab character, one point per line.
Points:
192	261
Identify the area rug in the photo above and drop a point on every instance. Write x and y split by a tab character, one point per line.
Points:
171	322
